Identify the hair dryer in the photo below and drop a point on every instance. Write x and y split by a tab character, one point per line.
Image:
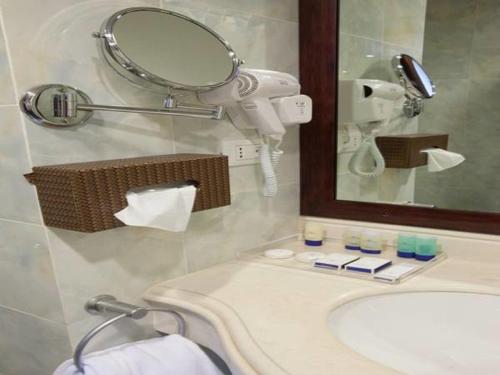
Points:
267	101
368	101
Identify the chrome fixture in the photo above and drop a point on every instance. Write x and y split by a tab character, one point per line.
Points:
145	46
108	304
417	83
60	105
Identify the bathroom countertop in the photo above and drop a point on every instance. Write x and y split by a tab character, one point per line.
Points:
273	319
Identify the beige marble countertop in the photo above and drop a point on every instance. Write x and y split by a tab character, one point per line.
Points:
273	319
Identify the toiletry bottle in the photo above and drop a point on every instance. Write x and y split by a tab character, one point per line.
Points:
314	234
426	248
371	242
406	244
352	239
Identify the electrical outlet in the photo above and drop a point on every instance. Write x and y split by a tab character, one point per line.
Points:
349	138
241	151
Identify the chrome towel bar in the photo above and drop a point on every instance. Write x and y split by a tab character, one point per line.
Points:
108	304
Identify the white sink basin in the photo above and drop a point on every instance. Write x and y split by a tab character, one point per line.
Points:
424	333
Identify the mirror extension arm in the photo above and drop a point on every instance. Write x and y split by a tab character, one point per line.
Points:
61	105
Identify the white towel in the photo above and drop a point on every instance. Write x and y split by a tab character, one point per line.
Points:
169	355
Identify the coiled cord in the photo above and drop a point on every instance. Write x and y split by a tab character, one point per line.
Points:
368	146
269	159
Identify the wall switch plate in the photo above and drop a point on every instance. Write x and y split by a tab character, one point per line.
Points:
241	151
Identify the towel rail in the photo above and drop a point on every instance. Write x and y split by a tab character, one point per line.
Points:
109	304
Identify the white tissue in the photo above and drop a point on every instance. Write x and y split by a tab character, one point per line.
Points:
439	160
162	208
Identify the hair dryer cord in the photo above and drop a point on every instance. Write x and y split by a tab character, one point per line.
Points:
369	146
269	159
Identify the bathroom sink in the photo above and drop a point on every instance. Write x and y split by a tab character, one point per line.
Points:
424	333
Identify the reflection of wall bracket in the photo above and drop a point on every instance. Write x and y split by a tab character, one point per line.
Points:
413	107
61	105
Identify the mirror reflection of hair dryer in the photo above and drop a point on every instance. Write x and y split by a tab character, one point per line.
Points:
368	101
266	101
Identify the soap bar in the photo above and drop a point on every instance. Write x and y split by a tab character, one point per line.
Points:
368	265
309	256
335	261
396	272
279	253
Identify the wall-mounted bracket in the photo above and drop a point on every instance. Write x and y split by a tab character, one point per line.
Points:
61	105
413	107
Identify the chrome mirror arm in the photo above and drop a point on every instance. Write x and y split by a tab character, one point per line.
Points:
61	105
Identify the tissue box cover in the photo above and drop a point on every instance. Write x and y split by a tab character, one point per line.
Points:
84	196
403	150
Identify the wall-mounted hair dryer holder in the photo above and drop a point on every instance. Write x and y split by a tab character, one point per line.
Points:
60	105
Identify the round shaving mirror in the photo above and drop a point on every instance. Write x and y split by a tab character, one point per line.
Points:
414	77
160	49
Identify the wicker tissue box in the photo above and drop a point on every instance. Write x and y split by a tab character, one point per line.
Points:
403	151
84	196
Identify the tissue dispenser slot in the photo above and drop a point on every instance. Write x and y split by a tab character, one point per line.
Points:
403	150
84	196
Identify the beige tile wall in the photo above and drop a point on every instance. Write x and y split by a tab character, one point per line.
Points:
47	274
462	55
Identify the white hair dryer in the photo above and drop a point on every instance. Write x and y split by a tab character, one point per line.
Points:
368	101
267	101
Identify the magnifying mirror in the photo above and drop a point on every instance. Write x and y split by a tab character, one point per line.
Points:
414	77
157	48
417	83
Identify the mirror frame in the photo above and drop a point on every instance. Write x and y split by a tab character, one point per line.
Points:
319	31
128	69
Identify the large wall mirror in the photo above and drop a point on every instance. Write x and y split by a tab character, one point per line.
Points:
407	121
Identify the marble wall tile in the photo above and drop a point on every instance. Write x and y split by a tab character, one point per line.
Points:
268	218
435	194
25	262
487	27
205	240
363	18
482	132
447	63
217	235
484	63
450	23
483	200
103	138
123	262
30	345
449	35
404	22
19	200
281	9
7	95
359	57
348	187
447	111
